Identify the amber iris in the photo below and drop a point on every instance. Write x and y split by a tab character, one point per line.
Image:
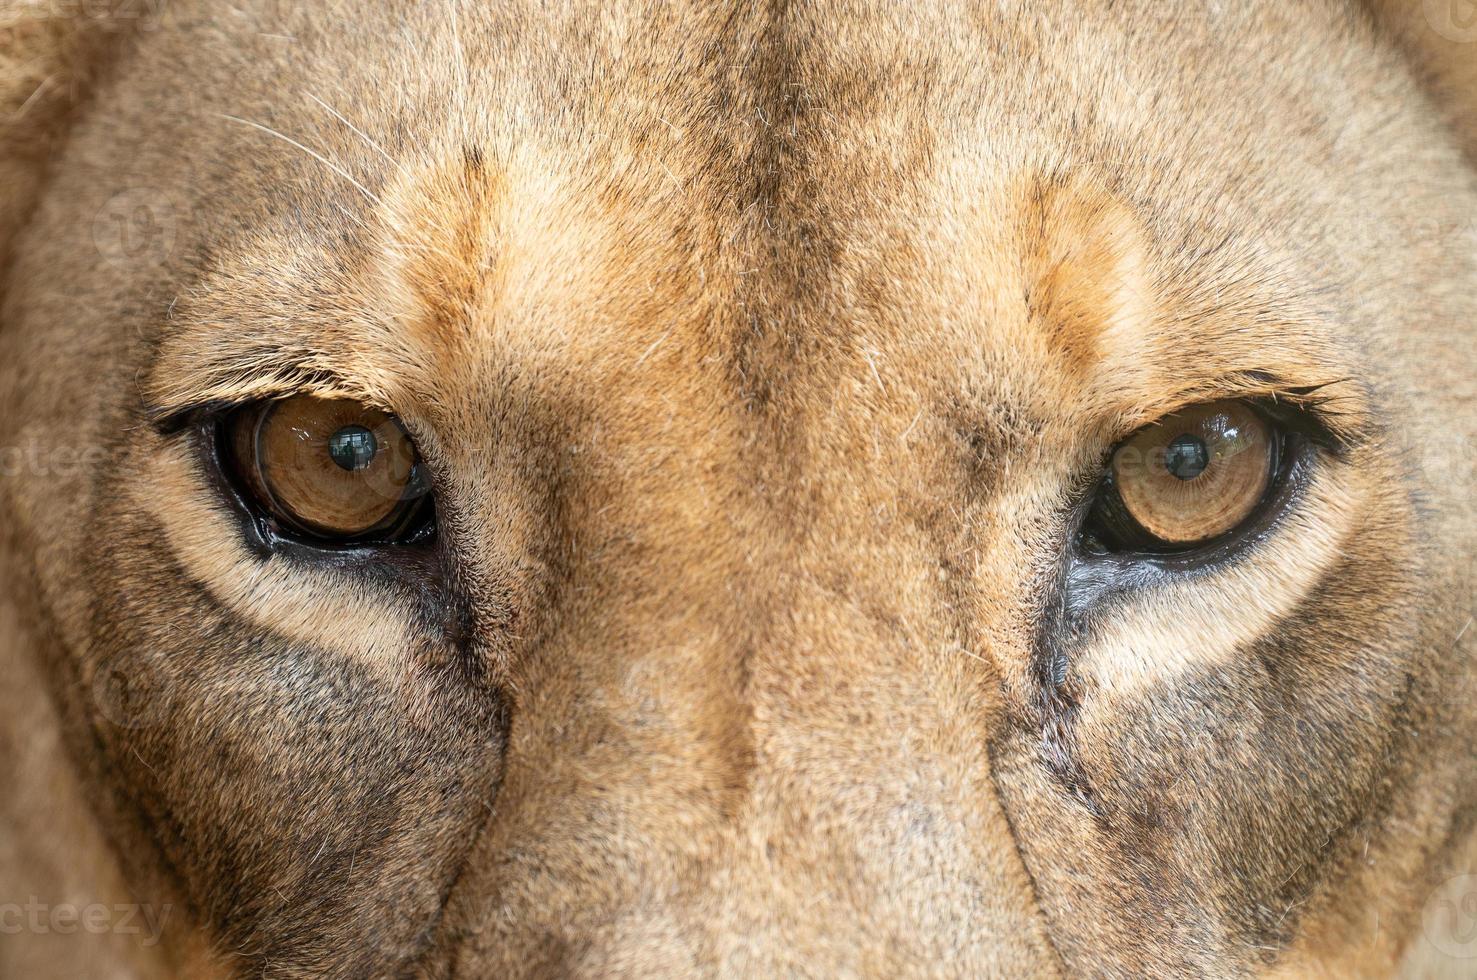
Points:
333	468
1196	475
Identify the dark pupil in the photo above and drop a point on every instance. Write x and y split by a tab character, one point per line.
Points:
352	447
1186	457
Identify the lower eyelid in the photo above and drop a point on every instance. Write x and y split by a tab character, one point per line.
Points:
1135	623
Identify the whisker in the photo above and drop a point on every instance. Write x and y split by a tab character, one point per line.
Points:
354	217
405	171
358	132
373	198
461	63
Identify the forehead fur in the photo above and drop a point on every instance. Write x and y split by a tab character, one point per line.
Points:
477	238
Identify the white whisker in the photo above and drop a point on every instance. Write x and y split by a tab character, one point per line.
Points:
461	63
309	151
358	132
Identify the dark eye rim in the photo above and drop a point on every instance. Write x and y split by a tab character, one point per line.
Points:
272	531
1109	532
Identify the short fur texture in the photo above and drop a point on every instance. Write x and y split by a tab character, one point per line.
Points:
762	355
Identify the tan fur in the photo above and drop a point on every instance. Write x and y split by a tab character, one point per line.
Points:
762	356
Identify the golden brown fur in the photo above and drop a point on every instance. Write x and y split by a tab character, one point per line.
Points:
760	353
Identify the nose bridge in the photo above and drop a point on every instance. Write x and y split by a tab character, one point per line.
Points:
753	737
871	828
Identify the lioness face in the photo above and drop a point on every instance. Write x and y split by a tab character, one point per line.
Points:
862	490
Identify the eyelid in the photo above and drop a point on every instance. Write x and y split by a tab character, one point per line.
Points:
209	360
175	420
172	420
1333	430
1334	414
1312	422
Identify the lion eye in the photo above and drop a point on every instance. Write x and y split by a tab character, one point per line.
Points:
331	469
1190	478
